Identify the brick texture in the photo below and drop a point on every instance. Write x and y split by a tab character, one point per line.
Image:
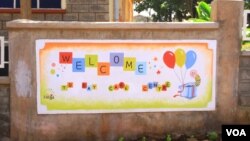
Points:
80	8
5	17
53	17
4	25
244	81
244	61
102	16
103	1
87	17
69	8
98	8
38	17
81	1
4	112
75	1
4	33
244	100
15	16
70	17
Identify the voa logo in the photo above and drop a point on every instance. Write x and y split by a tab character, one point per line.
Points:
236	132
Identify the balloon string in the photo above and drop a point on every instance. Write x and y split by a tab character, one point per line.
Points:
177	75
185	74
182	79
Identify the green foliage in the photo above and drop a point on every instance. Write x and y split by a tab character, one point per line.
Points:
121	139
168	138
212	136
248	32
144	139
165	10
203	11
245	46
247	4
168	10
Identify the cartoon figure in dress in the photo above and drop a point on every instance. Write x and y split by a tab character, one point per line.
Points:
180	58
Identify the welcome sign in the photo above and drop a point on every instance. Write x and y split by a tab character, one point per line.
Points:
106	76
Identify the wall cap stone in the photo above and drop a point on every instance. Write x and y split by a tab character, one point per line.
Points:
29	24
245	53
4	80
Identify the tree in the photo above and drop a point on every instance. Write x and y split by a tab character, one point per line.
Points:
168	10
247	4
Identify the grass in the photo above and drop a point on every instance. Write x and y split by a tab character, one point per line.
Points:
208	136
245	46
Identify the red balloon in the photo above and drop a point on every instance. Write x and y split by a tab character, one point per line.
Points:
169	59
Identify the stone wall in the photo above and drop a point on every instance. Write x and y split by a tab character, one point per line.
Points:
76	10
4	112
26	124
244	80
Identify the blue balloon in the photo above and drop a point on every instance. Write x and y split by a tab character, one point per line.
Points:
190	59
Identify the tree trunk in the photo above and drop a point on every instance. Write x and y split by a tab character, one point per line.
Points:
194	9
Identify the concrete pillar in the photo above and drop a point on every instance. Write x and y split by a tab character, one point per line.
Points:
229	14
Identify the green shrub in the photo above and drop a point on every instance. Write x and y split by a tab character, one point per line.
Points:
212	136
203	11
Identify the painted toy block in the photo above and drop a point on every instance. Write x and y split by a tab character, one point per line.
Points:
91	60
78	65
103	68
116	59
129	64
141	68
65	57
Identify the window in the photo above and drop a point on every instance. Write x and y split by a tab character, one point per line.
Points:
35	4
6	4
246	24
4	58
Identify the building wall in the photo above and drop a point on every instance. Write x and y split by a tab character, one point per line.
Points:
244	80
26	124
76	10
4	111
